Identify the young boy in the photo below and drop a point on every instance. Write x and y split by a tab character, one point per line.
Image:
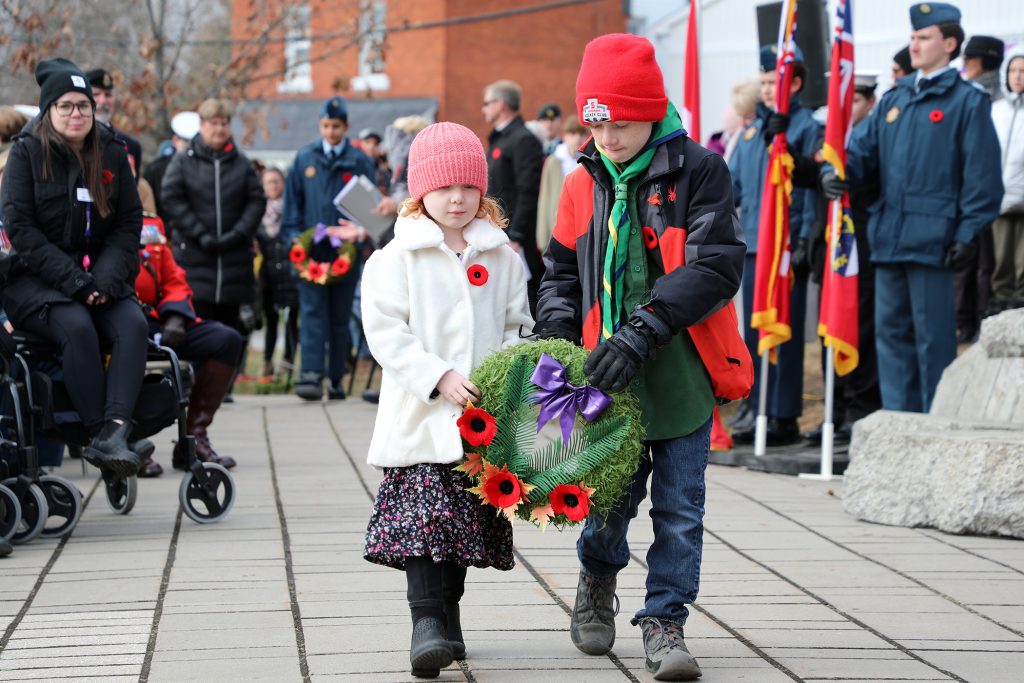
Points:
320	170
677	259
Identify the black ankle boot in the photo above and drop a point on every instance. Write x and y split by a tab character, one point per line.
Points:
109	450
458	643
430	650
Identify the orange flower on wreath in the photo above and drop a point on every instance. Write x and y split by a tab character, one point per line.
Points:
502	489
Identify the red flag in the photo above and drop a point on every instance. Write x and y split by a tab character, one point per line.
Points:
839	305
691	78
772	277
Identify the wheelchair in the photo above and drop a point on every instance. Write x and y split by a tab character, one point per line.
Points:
50	506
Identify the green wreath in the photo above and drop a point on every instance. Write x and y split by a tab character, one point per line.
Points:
559	484
320	258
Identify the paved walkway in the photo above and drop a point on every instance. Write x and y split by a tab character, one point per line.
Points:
793	588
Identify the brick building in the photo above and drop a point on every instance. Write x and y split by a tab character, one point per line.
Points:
418	56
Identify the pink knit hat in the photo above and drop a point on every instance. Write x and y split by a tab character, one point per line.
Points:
446	154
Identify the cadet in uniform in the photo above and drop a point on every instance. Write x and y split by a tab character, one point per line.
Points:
748	166
931	143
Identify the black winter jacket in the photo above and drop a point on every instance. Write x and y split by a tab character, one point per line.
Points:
46	224
514	162
214	195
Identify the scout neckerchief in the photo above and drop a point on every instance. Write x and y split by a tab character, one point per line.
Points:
619	220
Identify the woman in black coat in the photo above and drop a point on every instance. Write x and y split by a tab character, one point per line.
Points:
215	202
72	213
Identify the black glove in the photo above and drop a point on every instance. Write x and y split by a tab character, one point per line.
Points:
247	319
960	255
207	242
774	124
832	186
800	260
615	362
548	329
83	293
172	331
228	241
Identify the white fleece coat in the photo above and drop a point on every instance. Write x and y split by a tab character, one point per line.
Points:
1008	117
422	317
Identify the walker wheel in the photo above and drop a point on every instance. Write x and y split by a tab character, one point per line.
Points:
121	492
10	512
206	502
34	512
65	506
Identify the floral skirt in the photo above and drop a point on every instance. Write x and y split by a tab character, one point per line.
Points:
425	510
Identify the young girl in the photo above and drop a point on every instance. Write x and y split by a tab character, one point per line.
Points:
437	300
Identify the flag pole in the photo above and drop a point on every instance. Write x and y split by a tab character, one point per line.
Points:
761	425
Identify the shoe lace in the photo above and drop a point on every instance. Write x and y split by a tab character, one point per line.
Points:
598	595
660	634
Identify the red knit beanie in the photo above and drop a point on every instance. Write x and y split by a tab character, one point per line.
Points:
446	154
620	81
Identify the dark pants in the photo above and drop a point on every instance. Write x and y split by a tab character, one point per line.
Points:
291	327
326	310
857	394
973	286
207	339
81	331
226	314
785	378
916	332
431	585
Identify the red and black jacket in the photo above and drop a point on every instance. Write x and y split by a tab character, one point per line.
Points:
161	285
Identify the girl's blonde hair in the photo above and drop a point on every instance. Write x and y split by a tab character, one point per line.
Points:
489	209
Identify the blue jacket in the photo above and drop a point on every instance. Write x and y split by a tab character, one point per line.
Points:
936	155
313	183
749	163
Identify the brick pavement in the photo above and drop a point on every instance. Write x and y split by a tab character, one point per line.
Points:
793	588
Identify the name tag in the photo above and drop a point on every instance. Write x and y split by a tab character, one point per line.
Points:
83	195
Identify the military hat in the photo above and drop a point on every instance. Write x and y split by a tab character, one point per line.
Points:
334	108
100	78
770	56
550	112
925	14
984	46
865	82
369	133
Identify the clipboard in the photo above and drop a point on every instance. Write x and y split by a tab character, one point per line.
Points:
357	200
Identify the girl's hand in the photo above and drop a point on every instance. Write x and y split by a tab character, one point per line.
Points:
457	389
96	299
348	231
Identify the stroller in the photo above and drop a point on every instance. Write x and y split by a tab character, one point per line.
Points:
35	504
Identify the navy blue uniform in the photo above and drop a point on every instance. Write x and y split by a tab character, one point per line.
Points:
748	165
934	150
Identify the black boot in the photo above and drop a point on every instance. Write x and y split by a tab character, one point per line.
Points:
109	450
454	578
430	650
454	633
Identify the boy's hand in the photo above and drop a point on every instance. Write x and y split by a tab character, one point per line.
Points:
457	389
616	361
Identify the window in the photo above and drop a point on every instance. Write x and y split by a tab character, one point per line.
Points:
298	76
372	25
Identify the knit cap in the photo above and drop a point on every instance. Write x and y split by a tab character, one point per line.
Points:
620	80
58	76
446	154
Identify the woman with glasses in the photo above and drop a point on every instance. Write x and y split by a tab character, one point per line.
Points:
72	213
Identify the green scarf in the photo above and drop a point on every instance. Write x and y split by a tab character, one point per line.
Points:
619	221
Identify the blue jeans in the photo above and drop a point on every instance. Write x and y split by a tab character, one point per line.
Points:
324	312
677	498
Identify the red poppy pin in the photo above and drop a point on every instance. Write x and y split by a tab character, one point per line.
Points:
650	237
935	116
108	176
477	427
228	147
496	153
346	176
477	274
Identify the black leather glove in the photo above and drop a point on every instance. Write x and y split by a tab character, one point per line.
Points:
207	242
616	361
774	124
832	186
172	331
960	255
228	241
554	329
800	260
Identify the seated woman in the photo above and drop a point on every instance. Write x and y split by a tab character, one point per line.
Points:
167	298
71	210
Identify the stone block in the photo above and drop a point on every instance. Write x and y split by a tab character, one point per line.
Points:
923	470
1002	336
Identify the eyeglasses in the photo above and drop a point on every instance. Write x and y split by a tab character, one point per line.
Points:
66	108
489	102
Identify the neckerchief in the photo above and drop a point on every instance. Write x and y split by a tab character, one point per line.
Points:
619	220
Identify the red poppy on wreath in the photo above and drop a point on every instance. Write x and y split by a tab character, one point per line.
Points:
477	426
650	237
571	500
340	266
297	254
108	176
477	275
935	116
502	489
316	270
228	147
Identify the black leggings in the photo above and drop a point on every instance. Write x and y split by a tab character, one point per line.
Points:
291	327
81	331
432	585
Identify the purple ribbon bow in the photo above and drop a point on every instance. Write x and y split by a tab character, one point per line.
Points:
558	398
321	232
